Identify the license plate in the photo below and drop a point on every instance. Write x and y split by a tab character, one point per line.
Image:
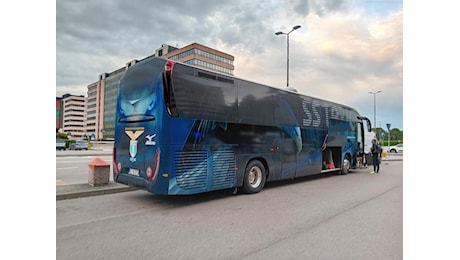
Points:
134	172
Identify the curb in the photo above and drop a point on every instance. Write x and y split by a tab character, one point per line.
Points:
73	191
83	153
392	159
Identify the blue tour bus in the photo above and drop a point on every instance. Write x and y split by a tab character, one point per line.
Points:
183	130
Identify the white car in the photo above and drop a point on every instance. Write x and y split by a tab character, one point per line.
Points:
60	144
79	145
396	148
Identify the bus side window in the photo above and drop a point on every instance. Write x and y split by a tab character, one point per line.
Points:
170	102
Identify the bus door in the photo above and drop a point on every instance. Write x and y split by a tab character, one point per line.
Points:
334	142
309	159
360	139
360	136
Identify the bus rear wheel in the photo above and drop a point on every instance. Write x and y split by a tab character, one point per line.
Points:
254	177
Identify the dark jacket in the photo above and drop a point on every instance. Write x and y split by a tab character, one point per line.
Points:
376	149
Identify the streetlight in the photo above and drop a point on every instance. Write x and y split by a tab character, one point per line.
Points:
374	93
388	126
279	33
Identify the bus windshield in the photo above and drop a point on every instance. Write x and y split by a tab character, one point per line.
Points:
137	93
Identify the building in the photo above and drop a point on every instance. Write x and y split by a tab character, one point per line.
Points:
110	101
102	101
59	112
102	94
74	116
94	106
163	50
205	57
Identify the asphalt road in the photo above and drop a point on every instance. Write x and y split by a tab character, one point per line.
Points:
356	216
72	166
74	169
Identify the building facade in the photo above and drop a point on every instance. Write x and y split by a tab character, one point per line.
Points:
110	102
164	50
74	116
94	106
205	57
59	112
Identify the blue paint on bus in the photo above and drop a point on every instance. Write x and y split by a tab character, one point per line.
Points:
184	130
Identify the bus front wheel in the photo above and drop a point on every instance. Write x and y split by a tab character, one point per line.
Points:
346	165
254	177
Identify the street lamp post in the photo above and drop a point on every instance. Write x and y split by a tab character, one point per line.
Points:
374	93
287	60
102	134
388	127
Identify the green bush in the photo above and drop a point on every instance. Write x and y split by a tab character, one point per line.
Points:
61	136
392	142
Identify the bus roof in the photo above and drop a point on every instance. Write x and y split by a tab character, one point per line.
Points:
204	94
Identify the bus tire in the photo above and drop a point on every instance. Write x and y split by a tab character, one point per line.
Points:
346	165
254	177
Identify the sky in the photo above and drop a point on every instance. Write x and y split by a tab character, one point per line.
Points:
343	50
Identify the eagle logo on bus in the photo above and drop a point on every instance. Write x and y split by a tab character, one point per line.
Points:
133	133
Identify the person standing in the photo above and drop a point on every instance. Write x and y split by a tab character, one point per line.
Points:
376	153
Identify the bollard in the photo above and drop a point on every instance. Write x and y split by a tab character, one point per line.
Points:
99	171
384	154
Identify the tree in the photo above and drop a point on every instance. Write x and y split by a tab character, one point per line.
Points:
61	136
396	135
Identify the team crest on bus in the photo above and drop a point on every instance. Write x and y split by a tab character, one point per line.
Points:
149	140
133	133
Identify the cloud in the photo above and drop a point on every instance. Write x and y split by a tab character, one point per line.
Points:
319	7
338	57
340	53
